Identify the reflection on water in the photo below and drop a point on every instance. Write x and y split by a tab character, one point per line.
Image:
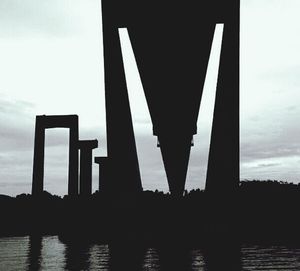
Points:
13	253
48	253
271	258
34	253
123	257
151	261
77	257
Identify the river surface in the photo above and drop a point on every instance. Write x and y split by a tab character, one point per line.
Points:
49	253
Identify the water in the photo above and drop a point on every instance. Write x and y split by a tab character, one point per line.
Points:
49	253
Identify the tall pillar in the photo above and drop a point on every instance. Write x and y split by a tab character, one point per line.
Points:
223	171
38	158
86	150
123	169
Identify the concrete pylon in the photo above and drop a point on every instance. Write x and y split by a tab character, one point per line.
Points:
172	56
172	53
122	166
223	173
86	151
57	121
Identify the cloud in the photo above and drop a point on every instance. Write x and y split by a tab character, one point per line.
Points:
274	137
269	165
31	18
16	124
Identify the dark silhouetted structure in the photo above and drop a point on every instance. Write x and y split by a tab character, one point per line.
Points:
172	41
44	122
34	258
122	164
223	173
156	218
103	178
86	152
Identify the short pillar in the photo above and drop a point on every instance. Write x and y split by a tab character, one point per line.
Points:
101	162
73	158
86	150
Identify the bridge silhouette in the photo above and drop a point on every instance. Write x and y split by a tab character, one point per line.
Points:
171	43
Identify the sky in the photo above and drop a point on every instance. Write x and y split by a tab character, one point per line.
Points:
51	62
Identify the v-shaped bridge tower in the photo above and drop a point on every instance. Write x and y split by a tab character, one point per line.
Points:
172	41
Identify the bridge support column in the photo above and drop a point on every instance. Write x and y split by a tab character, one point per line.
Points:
86	150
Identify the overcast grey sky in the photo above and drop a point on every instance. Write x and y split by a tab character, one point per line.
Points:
53	49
